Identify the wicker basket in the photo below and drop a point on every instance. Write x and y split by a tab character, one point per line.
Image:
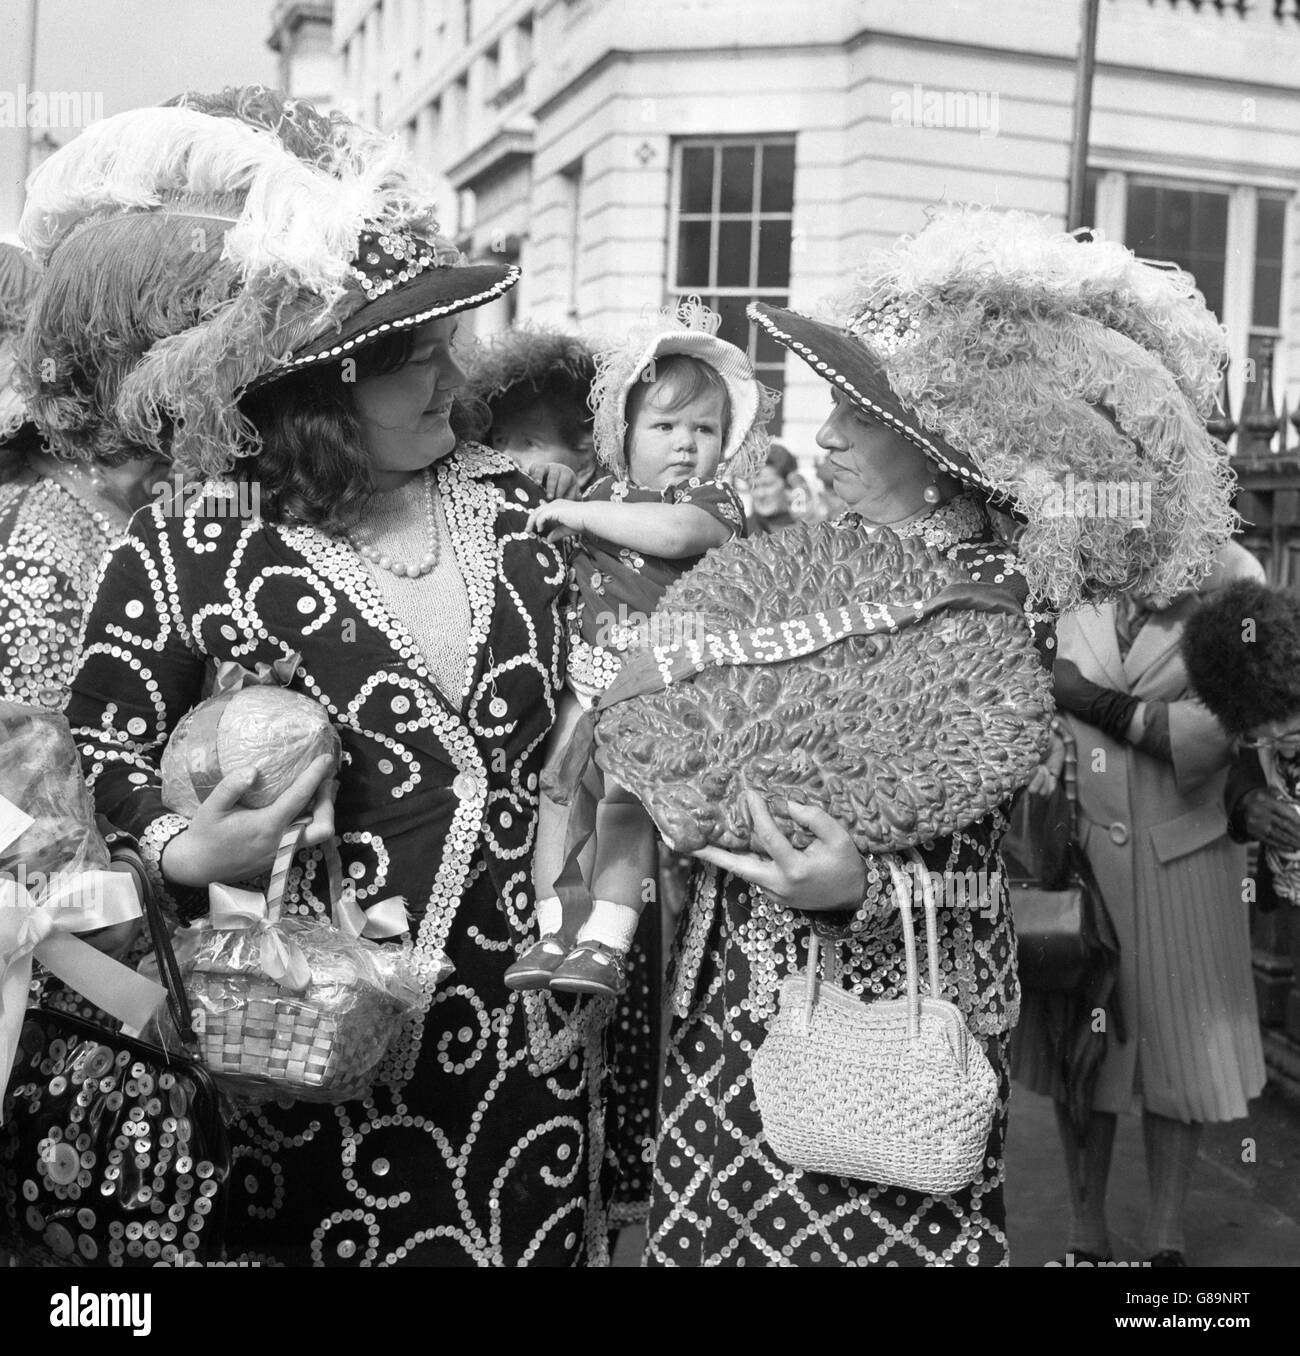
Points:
299	1043
319	1041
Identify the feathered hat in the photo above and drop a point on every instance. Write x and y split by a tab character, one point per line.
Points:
267	237
1058	373
1241	648
18	278
522	365
690	329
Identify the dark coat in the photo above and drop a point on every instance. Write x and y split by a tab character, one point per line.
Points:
438	802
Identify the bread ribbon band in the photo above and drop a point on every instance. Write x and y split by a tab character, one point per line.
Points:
580	783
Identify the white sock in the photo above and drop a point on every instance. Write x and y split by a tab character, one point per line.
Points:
550	915
610	923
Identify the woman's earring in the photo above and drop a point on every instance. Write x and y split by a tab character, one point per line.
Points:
931	492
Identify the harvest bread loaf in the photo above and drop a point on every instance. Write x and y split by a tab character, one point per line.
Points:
905	734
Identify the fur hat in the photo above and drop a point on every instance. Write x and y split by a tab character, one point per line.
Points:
1241	648
689	329
1048	370
269	236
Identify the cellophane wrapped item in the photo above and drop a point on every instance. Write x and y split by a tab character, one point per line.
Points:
40	777
263	1039
265	726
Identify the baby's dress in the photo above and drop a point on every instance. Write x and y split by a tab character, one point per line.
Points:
1284	776
613	590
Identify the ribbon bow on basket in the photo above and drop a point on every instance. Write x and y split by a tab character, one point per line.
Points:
287	1004
894	1091
45	930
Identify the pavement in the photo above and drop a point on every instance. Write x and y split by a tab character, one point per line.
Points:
1243	1209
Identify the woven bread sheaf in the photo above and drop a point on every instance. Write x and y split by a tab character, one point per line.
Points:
901	738
852	1095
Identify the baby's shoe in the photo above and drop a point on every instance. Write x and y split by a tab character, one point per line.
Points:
536	967
594	968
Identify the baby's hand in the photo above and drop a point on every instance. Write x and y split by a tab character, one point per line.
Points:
558	513
557	480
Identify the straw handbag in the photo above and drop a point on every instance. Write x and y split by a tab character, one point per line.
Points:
895	1091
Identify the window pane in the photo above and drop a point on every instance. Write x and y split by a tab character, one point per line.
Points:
733	253
735	323
1186	226
693	254
775	378
737	179
1090	198
778	178
773	253
697	179
1141	216
1270	216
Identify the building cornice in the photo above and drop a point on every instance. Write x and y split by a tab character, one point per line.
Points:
506	145
290	15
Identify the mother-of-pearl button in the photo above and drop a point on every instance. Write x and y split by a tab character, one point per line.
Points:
306	605
135	608
466	785
385	765
136	726
401	705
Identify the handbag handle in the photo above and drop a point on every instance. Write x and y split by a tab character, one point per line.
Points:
1069	772
160	935
903	891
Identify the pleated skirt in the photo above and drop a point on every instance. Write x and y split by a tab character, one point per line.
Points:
1192	1050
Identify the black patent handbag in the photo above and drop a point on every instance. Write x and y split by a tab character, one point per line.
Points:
113	1150
1063	930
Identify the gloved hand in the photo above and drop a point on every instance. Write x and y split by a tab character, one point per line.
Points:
1154	738
1103	707
1271	820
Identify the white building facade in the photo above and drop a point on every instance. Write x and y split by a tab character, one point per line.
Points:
625	152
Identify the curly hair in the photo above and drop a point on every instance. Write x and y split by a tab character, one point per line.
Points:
311	466
520	368
1241	649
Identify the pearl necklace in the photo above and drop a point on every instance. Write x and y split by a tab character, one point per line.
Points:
400	568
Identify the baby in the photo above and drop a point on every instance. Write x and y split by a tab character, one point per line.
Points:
677	411
1242	652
